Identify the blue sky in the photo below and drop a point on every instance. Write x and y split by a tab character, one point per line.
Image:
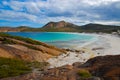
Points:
36	13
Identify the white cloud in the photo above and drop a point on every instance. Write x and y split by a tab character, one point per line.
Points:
56	5
31	7
99	2
108	22
40	11
16	16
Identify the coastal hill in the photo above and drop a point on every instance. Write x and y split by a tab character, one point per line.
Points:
60	24
63	26
100	28
13	29
26	49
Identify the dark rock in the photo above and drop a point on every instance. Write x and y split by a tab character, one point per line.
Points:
104	66
101	68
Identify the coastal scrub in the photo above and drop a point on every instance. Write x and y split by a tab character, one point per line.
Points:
12	67
83	73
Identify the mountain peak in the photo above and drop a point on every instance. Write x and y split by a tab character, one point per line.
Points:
60	24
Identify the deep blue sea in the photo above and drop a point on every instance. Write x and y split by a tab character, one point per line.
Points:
59	39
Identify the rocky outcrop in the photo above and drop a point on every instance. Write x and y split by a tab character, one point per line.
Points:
30	76
106	67
101	68
98	68
11	47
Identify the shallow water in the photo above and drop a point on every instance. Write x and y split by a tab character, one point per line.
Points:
59	39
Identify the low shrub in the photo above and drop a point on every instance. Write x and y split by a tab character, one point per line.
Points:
28	40
7	41
83	73
15	67
12	67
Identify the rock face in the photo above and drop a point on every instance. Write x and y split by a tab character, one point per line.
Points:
101	68
11	47
106	67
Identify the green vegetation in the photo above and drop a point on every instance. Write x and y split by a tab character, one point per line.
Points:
7	41
28	40
84	73
91	28
68	27
12	67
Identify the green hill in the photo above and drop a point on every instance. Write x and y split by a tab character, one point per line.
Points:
63	26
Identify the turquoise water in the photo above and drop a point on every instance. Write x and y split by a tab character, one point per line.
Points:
59	39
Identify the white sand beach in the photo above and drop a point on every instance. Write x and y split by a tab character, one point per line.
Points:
114	42
107	44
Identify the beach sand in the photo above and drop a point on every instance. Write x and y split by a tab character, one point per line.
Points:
114	42
107	44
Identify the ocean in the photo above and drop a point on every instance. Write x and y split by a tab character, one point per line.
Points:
58	39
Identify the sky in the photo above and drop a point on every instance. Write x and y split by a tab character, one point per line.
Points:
36	13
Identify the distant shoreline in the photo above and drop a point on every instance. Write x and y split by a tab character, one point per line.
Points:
63	26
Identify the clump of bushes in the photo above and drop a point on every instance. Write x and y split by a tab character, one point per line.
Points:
7	41
83	73
12	67
15	67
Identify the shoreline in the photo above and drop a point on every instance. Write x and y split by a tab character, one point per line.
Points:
107	44
114	42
